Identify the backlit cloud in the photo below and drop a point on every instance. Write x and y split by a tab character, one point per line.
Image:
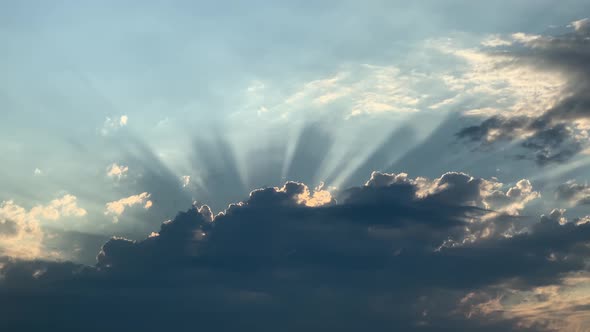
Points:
21	234
279	249
116	208
558	130
117	171
390	166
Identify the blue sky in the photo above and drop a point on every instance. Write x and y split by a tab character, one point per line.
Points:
118	115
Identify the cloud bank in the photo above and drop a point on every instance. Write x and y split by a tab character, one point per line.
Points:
402	253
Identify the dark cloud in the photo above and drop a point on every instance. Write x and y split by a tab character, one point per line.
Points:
78	246
554	136
506	128
397	253
215	161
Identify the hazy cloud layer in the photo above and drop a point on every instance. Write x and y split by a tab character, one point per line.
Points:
559	132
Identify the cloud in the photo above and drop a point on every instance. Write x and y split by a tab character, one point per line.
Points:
117	171
491	82
354	90
560	130
21	234
317	197
116	208
562	307
399	252
462	189
66	206
581	25
514	199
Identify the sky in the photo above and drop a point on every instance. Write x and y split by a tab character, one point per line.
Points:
301	165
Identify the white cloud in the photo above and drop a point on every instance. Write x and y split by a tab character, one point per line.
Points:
582	24
495	41
364	89
21	235
513	200
499	83
525	38
66	206
318	197
487	81
116	208
37	172
117	171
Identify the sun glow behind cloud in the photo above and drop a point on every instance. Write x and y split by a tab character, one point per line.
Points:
478	123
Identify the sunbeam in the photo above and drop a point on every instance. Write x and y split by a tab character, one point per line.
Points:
295	166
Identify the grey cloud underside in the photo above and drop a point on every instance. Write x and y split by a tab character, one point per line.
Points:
554	137
369	258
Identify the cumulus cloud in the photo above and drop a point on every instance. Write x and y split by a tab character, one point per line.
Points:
380	253
66	206
560	130
116	208
514	199
21	234
117	171
463	189
318	197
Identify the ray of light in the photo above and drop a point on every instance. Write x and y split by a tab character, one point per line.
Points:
557	171
387	149
293	136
